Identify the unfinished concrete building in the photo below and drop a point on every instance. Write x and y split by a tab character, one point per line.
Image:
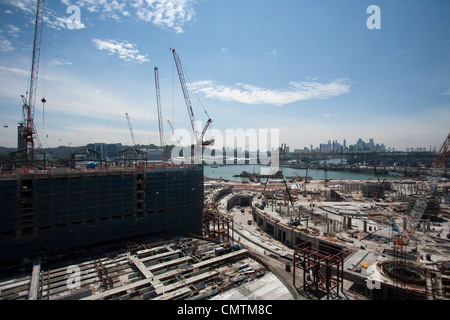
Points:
60	209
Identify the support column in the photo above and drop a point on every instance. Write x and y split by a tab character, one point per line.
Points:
34	285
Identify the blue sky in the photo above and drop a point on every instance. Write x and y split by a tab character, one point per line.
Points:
312	69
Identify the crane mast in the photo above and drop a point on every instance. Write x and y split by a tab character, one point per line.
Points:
198	136
131	130
29	102
160	123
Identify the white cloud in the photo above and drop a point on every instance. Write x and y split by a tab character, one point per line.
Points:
249	94
53	21
171	14
13	30
60	62
166	14
6	45
125	50
28	6
273	53
105	7
446	92
17	71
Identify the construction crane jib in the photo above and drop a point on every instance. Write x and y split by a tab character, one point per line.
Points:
131	129
29	102
160	121
197	135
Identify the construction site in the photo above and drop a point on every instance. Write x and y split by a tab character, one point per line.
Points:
134	230
124	230
347	239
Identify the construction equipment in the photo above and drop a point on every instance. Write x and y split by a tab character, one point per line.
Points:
160	123
306	178
296	182
401	240
288	193
282	151
380	187
197	135
394	227
173	132
267	181
131	130
29	133
441	159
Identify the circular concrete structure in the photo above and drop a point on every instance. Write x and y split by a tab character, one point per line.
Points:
409	273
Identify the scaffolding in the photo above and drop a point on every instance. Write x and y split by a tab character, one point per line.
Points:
19	158
216	226
323	268
131	157
61	209
401	242
86	155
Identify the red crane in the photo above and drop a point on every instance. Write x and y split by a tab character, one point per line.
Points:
29	134
160	123
197	135
442	156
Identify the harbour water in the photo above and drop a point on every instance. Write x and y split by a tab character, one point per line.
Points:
228	172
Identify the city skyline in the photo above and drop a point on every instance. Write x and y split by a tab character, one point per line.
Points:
315	71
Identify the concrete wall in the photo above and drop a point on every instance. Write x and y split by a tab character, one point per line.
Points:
286	234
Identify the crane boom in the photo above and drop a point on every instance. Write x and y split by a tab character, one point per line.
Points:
173	132
443	155
131	130
28	102
160	123
288	193
198	136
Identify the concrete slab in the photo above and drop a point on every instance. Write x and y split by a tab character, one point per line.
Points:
268	287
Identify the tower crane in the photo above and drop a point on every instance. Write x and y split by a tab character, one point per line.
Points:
29	134
402	239
421	203
160	124
197	135
443	155
380	186
131	130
